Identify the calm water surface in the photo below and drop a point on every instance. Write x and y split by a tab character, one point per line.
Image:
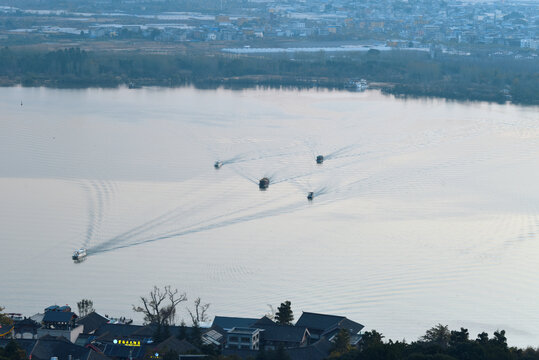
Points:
425	211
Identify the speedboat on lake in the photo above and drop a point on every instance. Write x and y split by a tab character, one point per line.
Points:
79	254
263	184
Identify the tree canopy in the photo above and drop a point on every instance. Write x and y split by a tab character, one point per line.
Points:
4	319
284	315
341	343
438	343
12	351
438	335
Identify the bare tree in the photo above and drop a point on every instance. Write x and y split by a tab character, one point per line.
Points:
199	315
159	307
272	312
86	306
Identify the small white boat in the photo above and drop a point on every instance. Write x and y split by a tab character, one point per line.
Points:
79	254
310	196
218	164
362	85
357	85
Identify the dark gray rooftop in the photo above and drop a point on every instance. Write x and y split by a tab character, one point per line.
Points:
284	333
264	321
120	351
109	332
59	317
277	332
227	322
49	346
243	330
179	346
118	330
26	344
352	326
92	322
323	322
317	351
241	353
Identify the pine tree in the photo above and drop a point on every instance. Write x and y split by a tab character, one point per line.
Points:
284	315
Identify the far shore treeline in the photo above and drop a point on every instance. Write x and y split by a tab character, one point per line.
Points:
403	73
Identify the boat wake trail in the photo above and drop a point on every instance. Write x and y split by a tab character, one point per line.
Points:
244	175
340	152
235	159
199	212
322	190
140	234
180	214
228	222
91	213
98	195
249	157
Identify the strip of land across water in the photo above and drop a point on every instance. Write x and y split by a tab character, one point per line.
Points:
467	77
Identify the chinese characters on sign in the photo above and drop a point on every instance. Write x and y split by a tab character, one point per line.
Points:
127	342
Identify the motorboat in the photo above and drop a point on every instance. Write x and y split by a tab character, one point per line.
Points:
319	159
218	164
264	183
79	254
310	196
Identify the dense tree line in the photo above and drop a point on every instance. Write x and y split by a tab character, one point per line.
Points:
438	343
400	72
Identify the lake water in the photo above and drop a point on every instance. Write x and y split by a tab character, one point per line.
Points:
425	211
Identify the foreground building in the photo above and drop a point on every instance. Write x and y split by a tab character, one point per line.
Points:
60	334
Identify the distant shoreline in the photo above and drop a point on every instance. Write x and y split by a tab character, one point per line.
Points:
244	84
403	74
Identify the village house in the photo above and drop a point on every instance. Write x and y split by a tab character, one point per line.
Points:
60	321
59	333
327	326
